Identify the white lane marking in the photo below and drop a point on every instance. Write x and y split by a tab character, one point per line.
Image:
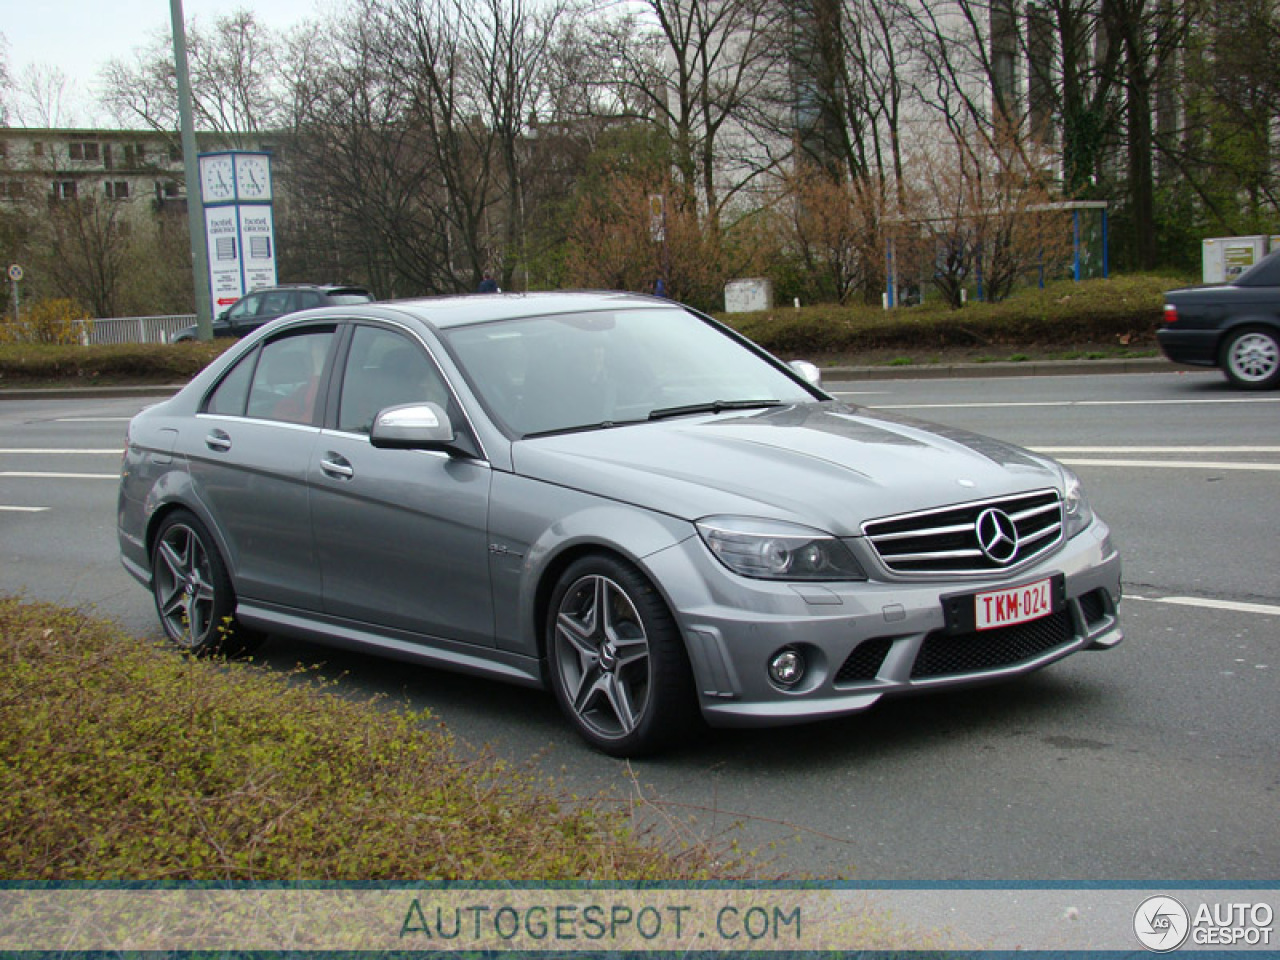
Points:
1171	464
1235	606
1056	450
5	509
43	475
53	451
93	419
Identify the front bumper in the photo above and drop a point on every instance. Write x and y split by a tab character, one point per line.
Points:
867	640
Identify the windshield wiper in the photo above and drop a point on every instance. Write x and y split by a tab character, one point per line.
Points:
579	428
715	406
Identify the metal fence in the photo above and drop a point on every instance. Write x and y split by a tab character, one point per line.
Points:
137	329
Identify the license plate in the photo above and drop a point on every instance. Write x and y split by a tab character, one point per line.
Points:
1002	608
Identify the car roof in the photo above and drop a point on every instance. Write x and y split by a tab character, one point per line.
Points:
324	287
456	311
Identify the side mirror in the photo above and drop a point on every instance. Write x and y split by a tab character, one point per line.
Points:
413	426
809	373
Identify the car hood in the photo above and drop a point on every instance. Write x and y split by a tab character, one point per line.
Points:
826	465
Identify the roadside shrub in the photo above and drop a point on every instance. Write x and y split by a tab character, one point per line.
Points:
124	763
1120	310
132	362
48	321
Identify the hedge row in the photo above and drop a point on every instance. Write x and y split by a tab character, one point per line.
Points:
127	362
1065	314
1120	310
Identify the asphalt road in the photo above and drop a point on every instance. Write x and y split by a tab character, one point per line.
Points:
1151	763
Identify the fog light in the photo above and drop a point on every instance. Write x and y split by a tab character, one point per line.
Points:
787	667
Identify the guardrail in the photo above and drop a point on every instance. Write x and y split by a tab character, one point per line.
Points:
137	329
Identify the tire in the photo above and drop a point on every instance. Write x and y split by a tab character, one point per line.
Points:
193	592
617	662
1251	358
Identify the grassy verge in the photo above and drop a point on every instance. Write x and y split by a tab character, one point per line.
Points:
124	763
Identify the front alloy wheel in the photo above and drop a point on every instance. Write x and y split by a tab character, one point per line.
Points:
1252	359
193	591
617	662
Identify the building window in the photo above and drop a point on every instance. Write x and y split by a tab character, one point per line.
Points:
106	155
135	155
4	148
64	190
37	149
12	189
117	189
83	150
175	153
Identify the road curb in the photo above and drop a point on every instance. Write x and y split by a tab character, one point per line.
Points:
90	392
1027	368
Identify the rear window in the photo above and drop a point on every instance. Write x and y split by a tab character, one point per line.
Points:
350	296
1264	273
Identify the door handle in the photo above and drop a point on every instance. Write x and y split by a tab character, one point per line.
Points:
217	440
336	466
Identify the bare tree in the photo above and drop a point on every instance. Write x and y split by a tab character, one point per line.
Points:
706	74
235	80
89	249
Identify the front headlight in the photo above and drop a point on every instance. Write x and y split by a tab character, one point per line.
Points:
1074	505
773	550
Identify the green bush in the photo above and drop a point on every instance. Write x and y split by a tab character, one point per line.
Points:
127	362
1120	310
124	763
48	321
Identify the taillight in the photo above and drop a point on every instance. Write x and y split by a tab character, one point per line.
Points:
1170	314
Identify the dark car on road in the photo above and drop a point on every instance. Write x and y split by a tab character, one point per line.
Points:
1235	326
267	303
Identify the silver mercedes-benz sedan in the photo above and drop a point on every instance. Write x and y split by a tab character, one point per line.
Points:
605	494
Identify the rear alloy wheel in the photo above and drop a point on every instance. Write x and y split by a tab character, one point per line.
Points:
193	591
1251	358
618	664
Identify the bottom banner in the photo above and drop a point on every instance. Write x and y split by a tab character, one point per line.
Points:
602	921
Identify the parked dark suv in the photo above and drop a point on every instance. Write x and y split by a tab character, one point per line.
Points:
1233	326
266	303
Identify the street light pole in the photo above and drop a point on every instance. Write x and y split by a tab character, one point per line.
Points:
191	170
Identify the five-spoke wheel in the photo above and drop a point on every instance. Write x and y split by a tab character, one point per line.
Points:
1251	358
193	592
617	662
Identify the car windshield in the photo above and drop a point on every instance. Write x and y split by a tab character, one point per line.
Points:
572	372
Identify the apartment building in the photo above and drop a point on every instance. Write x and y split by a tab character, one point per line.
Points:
141	167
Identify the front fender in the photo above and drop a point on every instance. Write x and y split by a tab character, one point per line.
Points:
527	553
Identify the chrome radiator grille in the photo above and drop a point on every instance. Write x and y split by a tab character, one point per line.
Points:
981	537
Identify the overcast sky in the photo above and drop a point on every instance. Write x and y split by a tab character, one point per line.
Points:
80	36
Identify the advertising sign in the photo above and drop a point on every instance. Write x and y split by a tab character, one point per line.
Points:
222	235
258	245
236	189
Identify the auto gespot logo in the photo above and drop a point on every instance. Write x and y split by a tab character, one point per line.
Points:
1162	924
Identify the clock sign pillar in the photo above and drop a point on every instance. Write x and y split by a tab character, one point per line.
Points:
235	186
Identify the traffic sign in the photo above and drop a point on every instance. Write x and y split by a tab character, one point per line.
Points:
15	272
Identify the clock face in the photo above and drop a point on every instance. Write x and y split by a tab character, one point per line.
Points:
216	180
253	177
